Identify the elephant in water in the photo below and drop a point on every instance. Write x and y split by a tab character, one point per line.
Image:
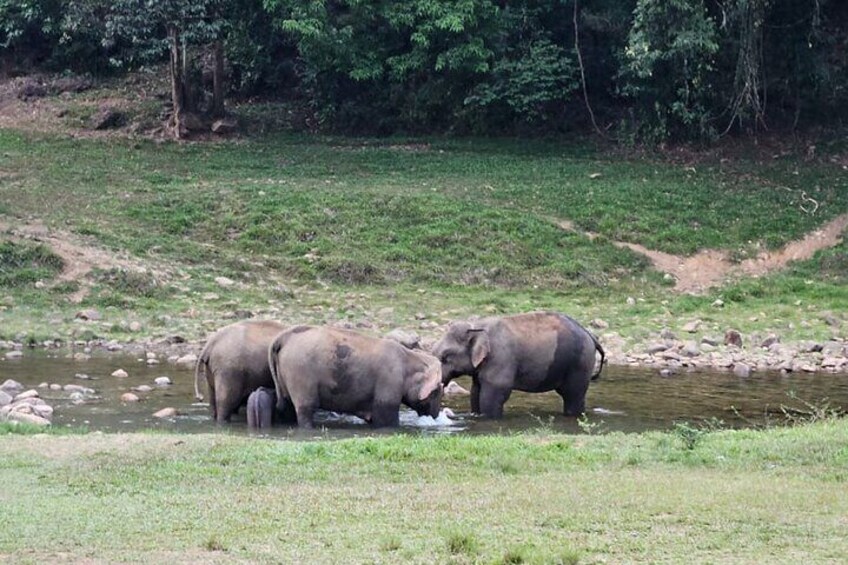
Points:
261	405
534	352
235	363
346	371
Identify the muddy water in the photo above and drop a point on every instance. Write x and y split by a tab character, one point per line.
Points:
624	399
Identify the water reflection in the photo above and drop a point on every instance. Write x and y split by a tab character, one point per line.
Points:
624	399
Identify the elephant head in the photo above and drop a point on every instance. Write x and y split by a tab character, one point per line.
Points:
463	349
424	387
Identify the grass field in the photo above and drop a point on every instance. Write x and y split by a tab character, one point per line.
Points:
772	496
333	228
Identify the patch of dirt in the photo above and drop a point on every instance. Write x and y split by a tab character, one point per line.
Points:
79	256
708	268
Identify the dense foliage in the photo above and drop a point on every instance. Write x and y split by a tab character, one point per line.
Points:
682	69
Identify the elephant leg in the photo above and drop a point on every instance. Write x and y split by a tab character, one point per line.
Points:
492	400
287	415
573	395
385	415
305	414
260	408
227	401
475	396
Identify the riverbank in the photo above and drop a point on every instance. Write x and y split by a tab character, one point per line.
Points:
687	495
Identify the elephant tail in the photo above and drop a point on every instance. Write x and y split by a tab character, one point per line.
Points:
274	365
199	367
600	350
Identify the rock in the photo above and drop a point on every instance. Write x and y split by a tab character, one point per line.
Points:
152	361
830	319
165	413
224	126
667	334
741	370
410	340
690	349
810	347
31	393
666	372
89	315
43	410
733	337
718	303
162	381
129	397
11	386
75	84
5	398
238	315
420	316
107	117
30	88
14	354
120	373
209	296
82	376
135	327
142	388
55	386
453	388
710	340
114	346
224	282
80	356
669	355
656	348
77	388
26	418
189	359
769	341
599	324
630	301
692	327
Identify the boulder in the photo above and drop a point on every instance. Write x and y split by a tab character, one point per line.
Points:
107	117
14	354
5	398
27	418
410	340
31	393
120	373
733	337
11	386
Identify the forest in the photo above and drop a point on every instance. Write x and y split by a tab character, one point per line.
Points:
634	71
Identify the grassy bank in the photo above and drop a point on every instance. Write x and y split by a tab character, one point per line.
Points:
323	229
751	496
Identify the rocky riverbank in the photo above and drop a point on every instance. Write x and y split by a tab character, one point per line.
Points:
23	406
668	351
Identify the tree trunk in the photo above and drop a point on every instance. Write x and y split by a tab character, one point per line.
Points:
218	81
177	82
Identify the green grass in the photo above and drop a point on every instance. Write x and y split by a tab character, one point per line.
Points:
25	263
749	496
319	229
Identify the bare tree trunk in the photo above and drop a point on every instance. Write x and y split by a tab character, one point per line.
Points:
177	82
218	81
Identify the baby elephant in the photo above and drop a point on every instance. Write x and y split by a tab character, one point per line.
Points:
534	352
345	371
260	408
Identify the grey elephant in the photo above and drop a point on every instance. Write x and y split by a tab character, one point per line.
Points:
261	405
534	352
235	363
346	371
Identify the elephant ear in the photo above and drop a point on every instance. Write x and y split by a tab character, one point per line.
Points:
479	346
432	380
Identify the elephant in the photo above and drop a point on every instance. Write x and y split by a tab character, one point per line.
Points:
260	408
533	352
235	363
346	371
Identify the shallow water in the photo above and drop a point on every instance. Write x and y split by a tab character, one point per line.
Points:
624	399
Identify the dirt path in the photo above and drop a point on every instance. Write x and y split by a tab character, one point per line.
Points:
79	257
708	268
